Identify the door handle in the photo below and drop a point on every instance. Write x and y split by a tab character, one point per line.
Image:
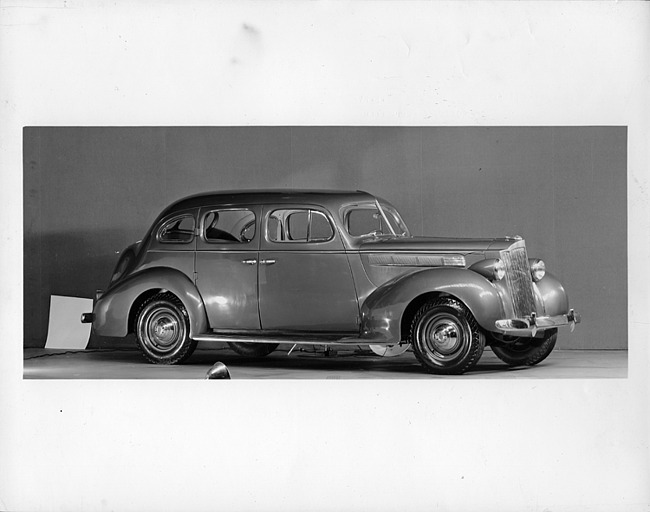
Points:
267	262
249	262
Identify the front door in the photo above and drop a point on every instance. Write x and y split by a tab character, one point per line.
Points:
305	281
226	266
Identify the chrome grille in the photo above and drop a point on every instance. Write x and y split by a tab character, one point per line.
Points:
518	279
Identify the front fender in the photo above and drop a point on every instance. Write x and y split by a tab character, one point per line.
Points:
112	310
552	294
382	311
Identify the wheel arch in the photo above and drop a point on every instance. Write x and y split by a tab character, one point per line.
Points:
140	301
388	311
413	307
116	311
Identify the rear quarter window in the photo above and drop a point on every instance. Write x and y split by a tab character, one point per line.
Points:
179	230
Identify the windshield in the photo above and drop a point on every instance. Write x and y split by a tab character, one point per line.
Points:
374	218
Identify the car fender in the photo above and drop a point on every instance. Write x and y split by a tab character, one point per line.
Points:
552	294
381	313
113	310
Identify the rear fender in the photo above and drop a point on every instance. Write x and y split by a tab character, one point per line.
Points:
383	310
113	310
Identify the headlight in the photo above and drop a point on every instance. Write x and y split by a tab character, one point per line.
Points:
537	269
493	269
499	270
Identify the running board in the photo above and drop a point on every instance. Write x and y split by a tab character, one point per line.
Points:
297	340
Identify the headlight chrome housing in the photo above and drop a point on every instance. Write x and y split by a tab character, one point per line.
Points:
493	269
537	269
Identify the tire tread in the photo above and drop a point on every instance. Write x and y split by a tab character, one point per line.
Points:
535	356
477	348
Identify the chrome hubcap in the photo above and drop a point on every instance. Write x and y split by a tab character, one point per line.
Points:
442	337
445	337
162	331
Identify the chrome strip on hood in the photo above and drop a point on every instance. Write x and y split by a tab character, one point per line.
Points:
416	260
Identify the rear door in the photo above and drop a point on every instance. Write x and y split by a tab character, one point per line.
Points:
226	266
305	281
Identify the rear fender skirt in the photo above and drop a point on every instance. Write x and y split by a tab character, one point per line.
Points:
113	308
382	311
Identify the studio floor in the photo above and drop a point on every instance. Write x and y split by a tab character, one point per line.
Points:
310	363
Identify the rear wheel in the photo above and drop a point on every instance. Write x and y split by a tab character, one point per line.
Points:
525	351
162	330
445	337
253	349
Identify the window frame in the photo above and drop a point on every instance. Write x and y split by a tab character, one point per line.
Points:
389	210
228	243
172	219
284	225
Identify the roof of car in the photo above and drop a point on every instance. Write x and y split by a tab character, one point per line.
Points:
325	198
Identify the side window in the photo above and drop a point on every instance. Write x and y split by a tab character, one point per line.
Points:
229	226
179	230
364	221
320	229
299	225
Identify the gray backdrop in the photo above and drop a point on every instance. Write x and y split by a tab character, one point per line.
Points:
89	192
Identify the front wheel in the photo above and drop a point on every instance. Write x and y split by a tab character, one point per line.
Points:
525	351
162	330
445	337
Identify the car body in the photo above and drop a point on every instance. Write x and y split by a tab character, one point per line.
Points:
258	268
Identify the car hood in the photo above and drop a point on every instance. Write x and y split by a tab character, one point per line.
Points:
435	244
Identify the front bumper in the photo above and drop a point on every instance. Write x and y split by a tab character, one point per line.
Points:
530	325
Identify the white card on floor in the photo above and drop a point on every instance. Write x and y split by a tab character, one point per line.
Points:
65	329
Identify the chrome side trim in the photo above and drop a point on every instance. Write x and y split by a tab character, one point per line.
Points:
416	260
291	339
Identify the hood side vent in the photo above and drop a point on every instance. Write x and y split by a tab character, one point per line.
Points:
416	260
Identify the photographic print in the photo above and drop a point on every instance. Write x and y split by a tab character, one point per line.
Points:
431	222
312	252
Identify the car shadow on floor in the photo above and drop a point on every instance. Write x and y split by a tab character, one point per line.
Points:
342	363
300	364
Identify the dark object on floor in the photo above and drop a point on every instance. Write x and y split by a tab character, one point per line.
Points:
218	371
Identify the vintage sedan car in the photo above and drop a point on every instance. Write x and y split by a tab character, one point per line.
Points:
259	268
